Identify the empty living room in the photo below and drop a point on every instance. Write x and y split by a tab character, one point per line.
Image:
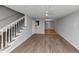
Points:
39	28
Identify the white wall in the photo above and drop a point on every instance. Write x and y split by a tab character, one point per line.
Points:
68	28
49	19
30	26
40	29
49	24
33	26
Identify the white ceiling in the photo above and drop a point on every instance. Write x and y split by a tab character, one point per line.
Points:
38	11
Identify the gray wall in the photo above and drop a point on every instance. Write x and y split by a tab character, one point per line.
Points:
68	28
6	12
8	16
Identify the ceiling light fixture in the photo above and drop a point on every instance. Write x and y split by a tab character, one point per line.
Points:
46	13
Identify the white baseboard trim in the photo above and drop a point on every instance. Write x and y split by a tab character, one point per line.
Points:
73	44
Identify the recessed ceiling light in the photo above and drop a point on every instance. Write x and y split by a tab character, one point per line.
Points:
46	14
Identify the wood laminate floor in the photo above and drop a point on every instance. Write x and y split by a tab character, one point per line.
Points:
40	43
50	31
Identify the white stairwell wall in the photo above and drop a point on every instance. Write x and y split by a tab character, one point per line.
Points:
6	12
24	35
27	32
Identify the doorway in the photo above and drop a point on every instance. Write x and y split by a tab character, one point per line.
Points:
49	27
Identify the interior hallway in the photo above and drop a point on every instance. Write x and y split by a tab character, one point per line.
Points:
30	28
49	43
